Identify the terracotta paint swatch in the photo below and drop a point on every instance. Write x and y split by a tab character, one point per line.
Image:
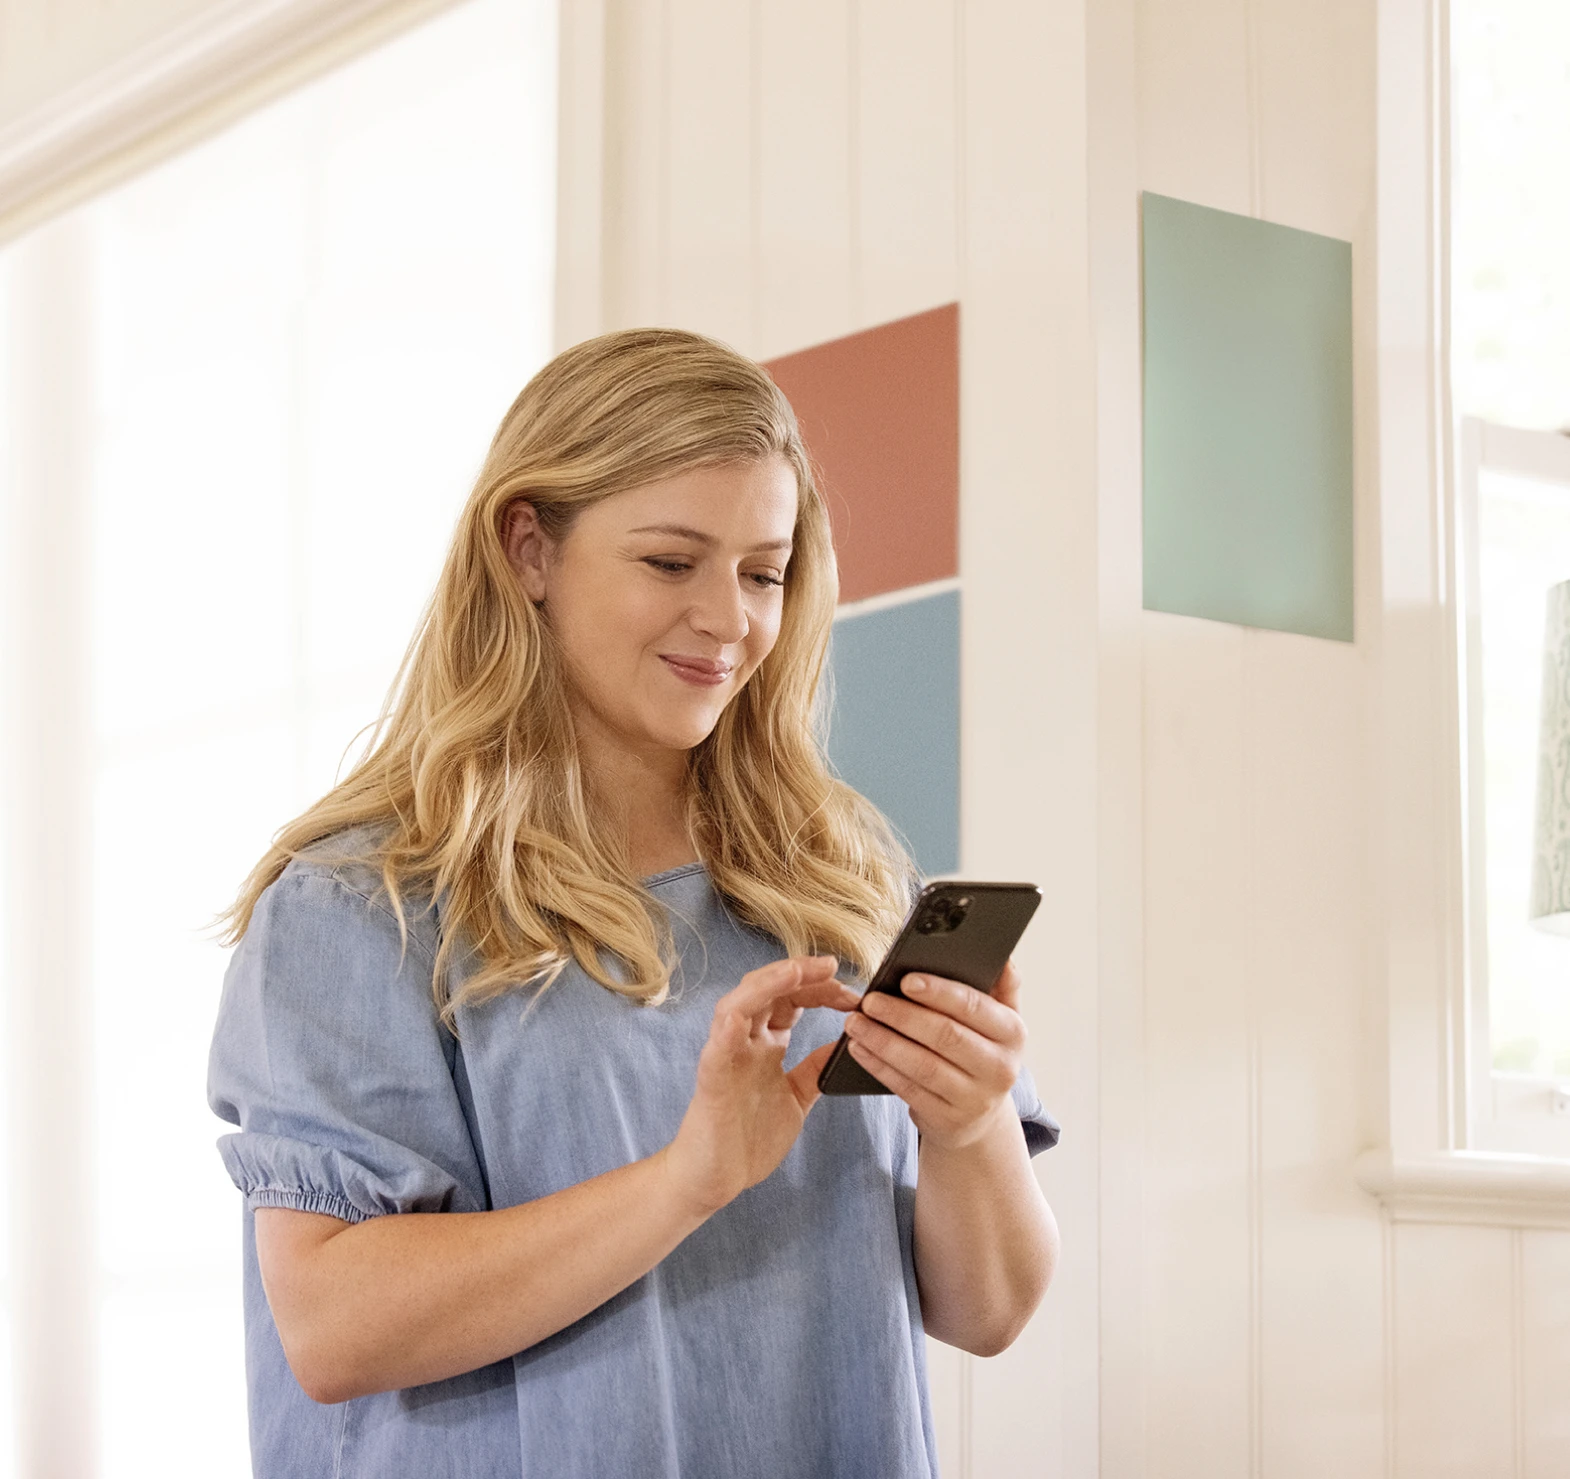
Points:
880	414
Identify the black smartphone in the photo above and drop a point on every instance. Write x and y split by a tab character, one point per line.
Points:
965	931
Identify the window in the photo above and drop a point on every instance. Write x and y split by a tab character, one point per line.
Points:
1515	522
293	345
1510	377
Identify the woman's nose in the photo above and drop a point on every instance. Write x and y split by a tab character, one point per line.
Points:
721	610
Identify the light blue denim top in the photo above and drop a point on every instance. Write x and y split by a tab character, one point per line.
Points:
783	1338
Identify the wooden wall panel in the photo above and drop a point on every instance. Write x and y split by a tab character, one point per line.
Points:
806	210
1201	1242
1455	1409
905	159
1028	519
1544	1362
1315	114
711	208
1195	121
1320	1260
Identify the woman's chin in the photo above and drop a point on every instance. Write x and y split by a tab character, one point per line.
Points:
687	731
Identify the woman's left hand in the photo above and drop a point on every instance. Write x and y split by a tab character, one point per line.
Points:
950	1052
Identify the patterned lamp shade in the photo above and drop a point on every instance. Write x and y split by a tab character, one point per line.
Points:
1551	852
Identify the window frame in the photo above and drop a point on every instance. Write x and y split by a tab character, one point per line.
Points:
1513	1113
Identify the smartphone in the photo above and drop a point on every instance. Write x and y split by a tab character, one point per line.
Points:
965	931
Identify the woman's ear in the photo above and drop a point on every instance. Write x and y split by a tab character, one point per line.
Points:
527	546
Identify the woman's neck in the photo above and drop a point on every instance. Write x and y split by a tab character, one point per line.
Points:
643	794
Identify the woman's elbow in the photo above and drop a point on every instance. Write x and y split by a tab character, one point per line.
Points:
322	1374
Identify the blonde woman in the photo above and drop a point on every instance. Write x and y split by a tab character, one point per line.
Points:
523	1027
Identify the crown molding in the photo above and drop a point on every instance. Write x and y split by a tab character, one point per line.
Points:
196	76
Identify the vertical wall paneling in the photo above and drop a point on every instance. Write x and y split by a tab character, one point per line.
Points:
580	184
1316	1240
1455	1407
806	209
905	161
1028	563
1195	141
1200	1244
709	224
633	254
1113	203
1544	1322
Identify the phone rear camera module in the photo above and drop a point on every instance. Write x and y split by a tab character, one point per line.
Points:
942	915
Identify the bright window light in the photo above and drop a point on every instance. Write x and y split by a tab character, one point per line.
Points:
1524	548
1510	366
305	331
1509	214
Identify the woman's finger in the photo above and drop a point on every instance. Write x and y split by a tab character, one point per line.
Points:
952	1040
975	1009
805	979
803	1078
918	1096
914	1060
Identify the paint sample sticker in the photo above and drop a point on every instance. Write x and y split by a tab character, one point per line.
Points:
1247	421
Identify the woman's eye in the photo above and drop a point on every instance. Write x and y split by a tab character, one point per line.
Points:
765	579
671	567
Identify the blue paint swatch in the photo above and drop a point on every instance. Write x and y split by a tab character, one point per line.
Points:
894	724
1248	421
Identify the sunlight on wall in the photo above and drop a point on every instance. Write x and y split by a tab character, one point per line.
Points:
306	330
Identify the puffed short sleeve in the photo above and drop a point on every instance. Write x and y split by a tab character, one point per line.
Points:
1041	1130
331	1059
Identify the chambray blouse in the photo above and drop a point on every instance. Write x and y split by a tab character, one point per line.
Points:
782	1338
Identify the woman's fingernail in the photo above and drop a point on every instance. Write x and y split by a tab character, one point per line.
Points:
916	984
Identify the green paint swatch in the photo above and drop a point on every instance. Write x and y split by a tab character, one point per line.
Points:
1248	421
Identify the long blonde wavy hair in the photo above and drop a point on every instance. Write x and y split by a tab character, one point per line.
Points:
472	776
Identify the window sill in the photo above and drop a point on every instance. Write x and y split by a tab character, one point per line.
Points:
1493	1189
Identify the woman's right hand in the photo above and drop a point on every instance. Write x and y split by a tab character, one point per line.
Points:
746	1111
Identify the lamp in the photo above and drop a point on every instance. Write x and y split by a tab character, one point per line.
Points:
1550	907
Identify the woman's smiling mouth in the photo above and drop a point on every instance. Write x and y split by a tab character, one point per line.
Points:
705	672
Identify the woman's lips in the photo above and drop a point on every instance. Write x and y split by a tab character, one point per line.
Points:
705	672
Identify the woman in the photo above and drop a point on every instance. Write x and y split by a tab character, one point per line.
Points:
551	974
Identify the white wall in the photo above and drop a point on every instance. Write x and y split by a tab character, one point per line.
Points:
1201	801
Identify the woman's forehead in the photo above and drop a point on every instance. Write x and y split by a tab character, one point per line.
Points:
748	504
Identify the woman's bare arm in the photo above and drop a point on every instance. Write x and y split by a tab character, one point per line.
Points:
400	1300
986	1242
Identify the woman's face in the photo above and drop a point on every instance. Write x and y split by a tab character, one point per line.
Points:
664	598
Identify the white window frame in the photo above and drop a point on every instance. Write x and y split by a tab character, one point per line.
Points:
1436	1156
1507	1112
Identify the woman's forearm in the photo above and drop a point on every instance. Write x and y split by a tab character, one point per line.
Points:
986	1240
400	1300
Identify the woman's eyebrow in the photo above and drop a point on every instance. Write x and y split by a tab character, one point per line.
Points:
682	531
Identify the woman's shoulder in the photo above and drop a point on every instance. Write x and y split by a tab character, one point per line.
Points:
343	871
